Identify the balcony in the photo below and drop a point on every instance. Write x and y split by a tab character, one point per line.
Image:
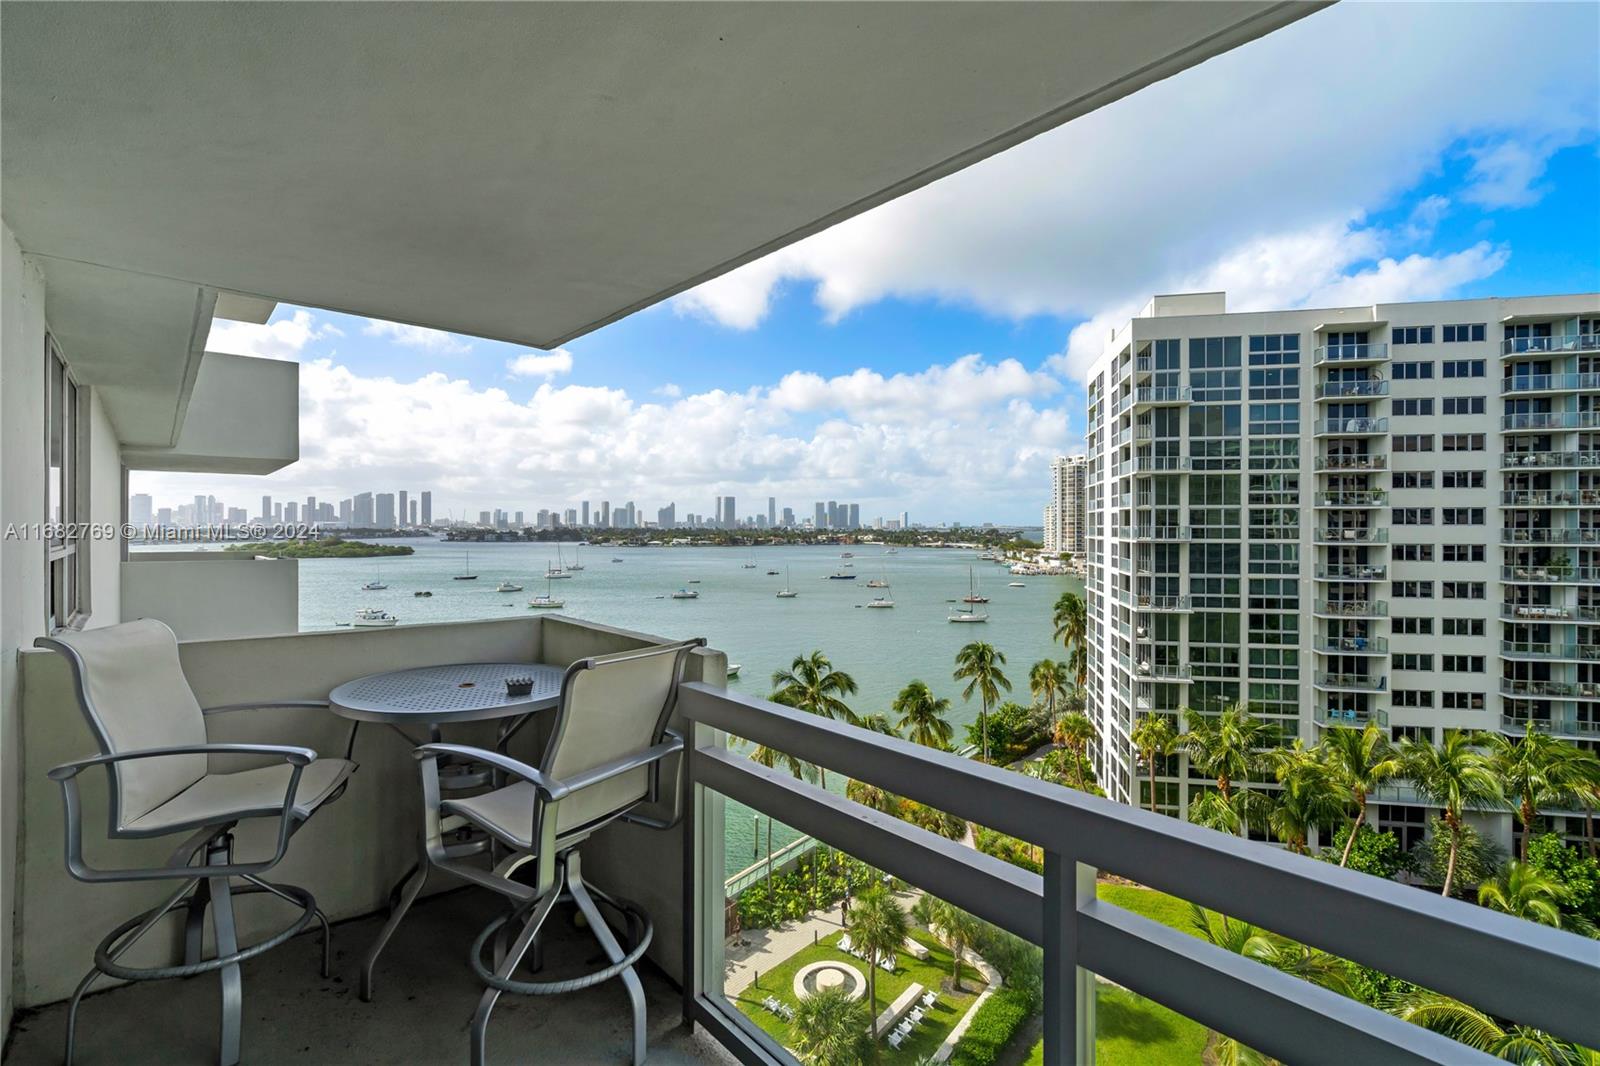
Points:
1145	465
1352	572
1568	725
1575	342
1161	395
1549	690
1338	390
1547	421
1352	645
1143	366
198	593
1362	499
1556	535
1350	427
1536	612
1551	498
1561	575
1352	462
1350	682
1577	653
1350	354
1518	384
1549	460
1351	536
1161	671
1328	717
1162	604
1351	608
1160	533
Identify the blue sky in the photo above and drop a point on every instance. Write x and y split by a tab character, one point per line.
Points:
927	355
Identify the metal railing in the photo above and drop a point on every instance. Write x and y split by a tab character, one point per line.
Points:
1527	649
1550	574
1352	462
1358	682
1336	716
1560	725
1550	498
1549	460
1160	532
1549	690
1351	572
1549	382
1538	420
1148	395
1351	498
1534	974
1351	353
1572	342
1155	464
1333	390
1162	603
1556	535
1352	536
1360	427
1353	645
1535	612
1351	608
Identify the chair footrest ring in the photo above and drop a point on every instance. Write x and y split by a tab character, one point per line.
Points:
572	984
110	967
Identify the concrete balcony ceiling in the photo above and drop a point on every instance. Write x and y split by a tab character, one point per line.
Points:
521	172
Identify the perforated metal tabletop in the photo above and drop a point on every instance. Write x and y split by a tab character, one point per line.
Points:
462	692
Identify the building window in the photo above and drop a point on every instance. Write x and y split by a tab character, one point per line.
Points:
1413	516
1462	664
1463	627
1463	405
1413	371
1413	661
1413	590
1275	349
1464	334
1462	442
1413	697
1462	590
1413	479
1463	701
1422	406
1411	335
1461	516
67	493
1463	553
1463	479
1413	553
1464	368
1418	627
1412	442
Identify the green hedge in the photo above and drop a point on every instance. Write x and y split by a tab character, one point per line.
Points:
992	1028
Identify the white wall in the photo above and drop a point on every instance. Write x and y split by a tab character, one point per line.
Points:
208	595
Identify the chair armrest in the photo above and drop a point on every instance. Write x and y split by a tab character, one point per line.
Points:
606	771
295	756
551	787
266	705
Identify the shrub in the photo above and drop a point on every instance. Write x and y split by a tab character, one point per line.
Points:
1014	730
1020	963
1375	853
1478	859
992	1028
1578	873
1016	852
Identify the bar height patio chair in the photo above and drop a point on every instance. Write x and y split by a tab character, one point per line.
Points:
601	762
153	744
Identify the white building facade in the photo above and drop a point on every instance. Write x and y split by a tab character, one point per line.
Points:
1387	513
1064	521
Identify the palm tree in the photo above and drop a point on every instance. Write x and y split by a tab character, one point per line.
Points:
1226	748
830	1029
1360	761
878	926
954	927
1534	771
1049	681
1451	776
1470	1026
1153	737
811	684
877	723
1071	619
922	716
1526	892
1075	732
1310	796
979	665
870	795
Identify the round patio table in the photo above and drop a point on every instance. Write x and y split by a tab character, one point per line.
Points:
425	698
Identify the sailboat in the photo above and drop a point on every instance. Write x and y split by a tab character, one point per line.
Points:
546	601
375	584
556	571
466	570
884	600
786	593
575	565
967	613
751	565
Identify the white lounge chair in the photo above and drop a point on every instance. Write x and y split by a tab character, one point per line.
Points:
895	1040
845	944
929	998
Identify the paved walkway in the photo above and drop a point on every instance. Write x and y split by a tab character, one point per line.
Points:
763	950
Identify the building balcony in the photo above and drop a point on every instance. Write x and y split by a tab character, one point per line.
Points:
1568	725
1549	460
1512	347
1548	421
1160	533
1350	682
1145	465
1363	499
1351	354
1352	572
1351	608
1350	427
1555	535
1165	671
1338	390
1537	612
1576	653
1352	462
1329	717
1352	645
1549	575
1551	498
1351	536
1518	384
1162	604
1161	395
1549	690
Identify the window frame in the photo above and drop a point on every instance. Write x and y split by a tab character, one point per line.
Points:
66	557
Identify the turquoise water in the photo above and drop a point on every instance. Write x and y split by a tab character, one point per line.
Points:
737	612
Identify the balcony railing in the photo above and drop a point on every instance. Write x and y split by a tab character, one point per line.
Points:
1161	671
1560	725
1550	574
1333	390
1359	498
1161	604
1160	533
1572	342
1536	612
1549	690
1351	354
1161	395
1352	608
1350	682
1557	535
1550	420
1551	498
1352	536
1453	947
1352	462
1549	383
1352	719
1352	572
1351	427
1353	645
1158	464
1522	649
1549	460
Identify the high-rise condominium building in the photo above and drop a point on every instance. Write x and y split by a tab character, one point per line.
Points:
266	508
585	508
385	516
403	511
772	510
141	508
729	519
411	516
1064	514
363	515
1383	514
427	508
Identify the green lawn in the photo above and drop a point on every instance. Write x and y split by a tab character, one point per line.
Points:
1157	906
929	973
1133	1031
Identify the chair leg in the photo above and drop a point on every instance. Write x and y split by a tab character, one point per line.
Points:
602	932
72	1011
327	932
408	896
227	939
194	925
491	995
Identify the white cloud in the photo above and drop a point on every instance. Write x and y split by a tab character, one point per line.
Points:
540	364
669	390
284	339
1245	168
429	340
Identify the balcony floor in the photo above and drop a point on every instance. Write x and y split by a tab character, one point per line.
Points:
424	1000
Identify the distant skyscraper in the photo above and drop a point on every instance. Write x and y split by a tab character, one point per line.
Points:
855	516
347	511
140	508
788	517
412	516
821	519
485	518
363	514
667	517
427	508
404	511
1064	529
384	518
772	510
291	513
164	516
716	513
584	519
266	508
729	519
237	516
905	519
605	514
308	513
200	513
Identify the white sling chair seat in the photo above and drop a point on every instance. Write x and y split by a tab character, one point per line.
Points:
247	794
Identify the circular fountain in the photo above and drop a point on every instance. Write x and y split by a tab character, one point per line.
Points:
829	974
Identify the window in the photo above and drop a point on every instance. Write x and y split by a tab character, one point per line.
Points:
1423	406
1462	590
1463	627
1462	479
1413	479
1463	553
1413	590
1462	442
1413	553
1413	516
1417	627
1463	405
1462	664
1274	419
1464	334
1463	368
1413	371
1461	516
1462	701
1275	349
66	427
1411	335
1412	697
1413	661
1412	442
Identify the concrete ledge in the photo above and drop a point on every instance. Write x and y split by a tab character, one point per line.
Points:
898	1009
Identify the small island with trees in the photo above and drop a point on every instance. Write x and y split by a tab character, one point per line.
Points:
321	548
